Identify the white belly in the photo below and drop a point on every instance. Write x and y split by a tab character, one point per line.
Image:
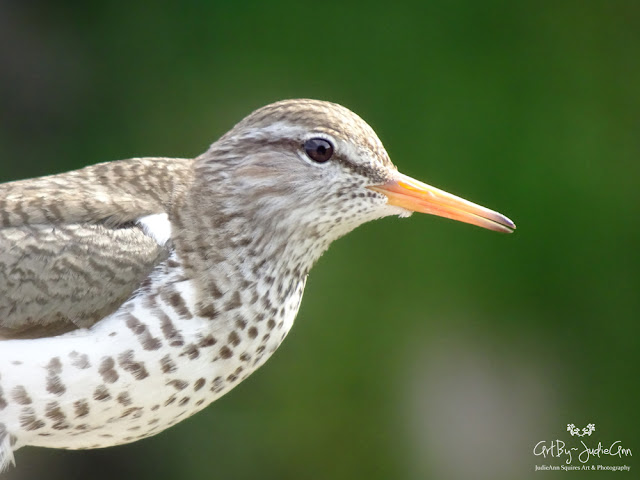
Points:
137	372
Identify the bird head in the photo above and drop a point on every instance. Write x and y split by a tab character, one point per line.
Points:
317	168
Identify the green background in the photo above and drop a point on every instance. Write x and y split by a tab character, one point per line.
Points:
424	348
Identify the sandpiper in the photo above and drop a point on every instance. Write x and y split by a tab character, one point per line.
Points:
134	293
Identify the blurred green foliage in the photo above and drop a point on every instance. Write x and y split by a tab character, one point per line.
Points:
424	348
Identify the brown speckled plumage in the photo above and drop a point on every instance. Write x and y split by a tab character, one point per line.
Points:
174	279
70	253
111	193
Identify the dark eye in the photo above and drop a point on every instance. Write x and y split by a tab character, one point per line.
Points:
318	149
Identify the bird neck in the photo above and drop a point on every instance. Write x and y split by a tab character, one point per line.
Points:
226	242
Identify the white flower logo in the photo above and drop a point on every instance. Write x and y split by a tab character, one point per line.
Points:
588	430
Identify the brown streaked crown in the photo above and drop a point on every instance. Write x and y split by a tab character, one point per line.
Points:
315	116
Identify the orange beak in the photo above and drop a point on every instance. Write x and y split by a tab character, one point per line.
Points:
416	196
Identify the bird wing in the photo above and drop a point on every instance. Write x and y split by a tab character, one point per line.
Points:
71	248
56	279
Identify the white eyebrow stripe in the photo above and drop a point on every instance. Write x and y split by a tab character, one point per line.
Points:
276	130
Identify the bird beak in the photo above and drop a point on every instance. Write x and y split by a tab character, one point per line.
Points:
416	196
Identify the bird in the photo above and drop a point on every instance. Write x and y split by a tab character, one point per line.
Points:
134	293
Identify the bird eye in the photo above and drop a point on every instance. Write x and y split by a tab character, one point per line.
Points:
318	149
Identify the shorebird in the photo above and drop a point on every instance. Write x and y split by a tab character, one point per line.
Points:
136	292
